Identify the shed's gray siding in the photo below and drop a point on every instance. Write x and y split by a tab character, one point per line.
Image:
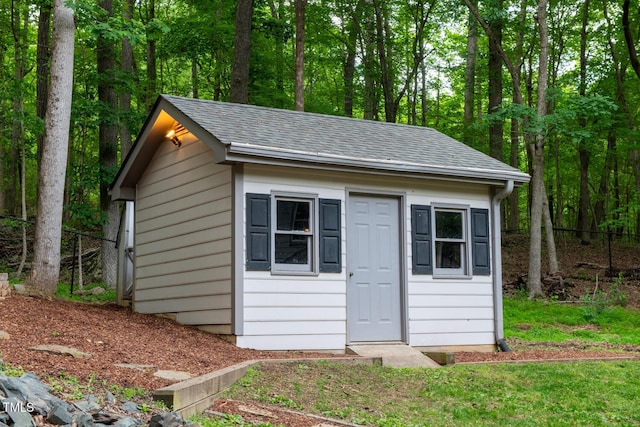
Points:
183	236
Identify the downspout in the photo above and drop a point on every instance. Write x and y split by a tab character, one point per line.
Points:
497	265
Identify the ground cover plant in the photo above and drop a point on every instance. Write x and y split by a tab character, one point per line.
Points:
523	394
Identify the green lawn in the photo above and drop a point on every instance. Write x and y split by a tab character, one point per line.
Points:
534	394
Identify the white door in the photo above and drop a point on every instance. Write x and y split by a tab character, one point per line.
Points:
373	265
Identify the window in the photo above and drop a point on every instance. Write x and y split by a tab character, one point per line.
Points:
293	247
293	234
450	242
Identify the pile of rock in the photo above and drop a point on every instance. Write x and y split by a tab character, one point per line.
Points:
5	290
28	402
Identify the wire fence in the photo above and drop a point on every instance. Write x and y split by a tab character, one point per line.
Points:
81	252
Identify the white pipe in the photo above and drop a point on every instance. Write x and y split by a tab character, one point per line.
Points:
497	264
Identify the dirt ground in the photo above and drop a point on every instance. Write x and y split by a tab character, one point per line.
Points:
114	335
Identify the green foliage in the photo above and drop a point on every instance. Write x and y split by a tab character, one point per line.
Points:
128	393
599	302
69	387
11	370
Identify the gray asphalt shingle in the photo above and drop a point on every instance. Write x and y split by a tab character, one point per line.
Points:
351	140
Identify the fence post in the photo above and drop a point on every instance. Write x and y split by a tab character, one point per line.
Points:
73	261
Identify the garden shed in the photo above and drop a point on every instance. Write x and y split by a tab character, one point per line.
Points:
286	230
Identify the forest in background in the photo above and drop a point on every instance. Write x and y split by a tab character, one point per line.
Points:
458	67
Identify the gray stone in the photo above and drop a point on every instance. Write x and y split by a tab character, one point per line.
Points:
84	420
135	366
59	416
13	387
87	406
61	349
109	397
130	407
166	419
20	289
40	396
127	422
18	412
172	375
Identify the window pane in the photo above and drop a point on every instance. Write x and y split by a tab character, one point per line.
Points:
292	249
449	225
293	215
448	255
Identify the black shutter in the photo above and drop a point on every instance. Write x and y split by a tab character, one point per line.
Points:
330	239
258	232
480	248
421	260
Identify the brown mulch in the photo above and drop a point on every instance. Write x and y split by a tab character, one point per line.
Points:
112	335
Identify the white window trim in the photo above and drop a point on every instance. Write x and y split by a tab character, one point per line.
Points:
449	273
294	269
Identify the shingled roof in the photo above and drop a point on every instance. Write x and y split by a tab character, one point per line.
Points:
248	133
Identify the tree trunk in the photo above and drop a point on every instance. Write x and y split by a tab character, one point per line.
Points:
20	32
496	128
384	56
23	199
152	67
369	96
601	205
45	269
583	153
634	154
108	150
537	150
42	70
300	6
349	65
470	77
536	142
242	53
124	97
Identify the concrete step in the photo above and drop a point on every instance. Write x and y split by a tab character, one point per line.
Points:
394	355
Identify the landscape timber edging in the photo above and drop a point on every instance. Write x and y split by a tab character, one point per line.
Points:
195	395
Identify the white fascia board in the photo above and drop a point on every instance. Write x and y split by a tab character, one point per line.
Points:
252	154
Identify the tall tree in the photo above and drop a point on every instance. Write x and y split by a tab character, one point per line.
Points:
42	70
470	76
634	154
583	152
127	62
108	145
300	6
152	67
535	141
242	53
45	269
496	127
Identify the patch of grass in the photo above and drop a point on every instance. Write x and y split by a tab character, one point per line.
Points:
64	292
69	386
12	371
226	421
558	322
567	394
127	393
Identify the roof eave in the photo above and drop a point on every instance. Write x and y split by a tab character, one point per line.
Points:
251	154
